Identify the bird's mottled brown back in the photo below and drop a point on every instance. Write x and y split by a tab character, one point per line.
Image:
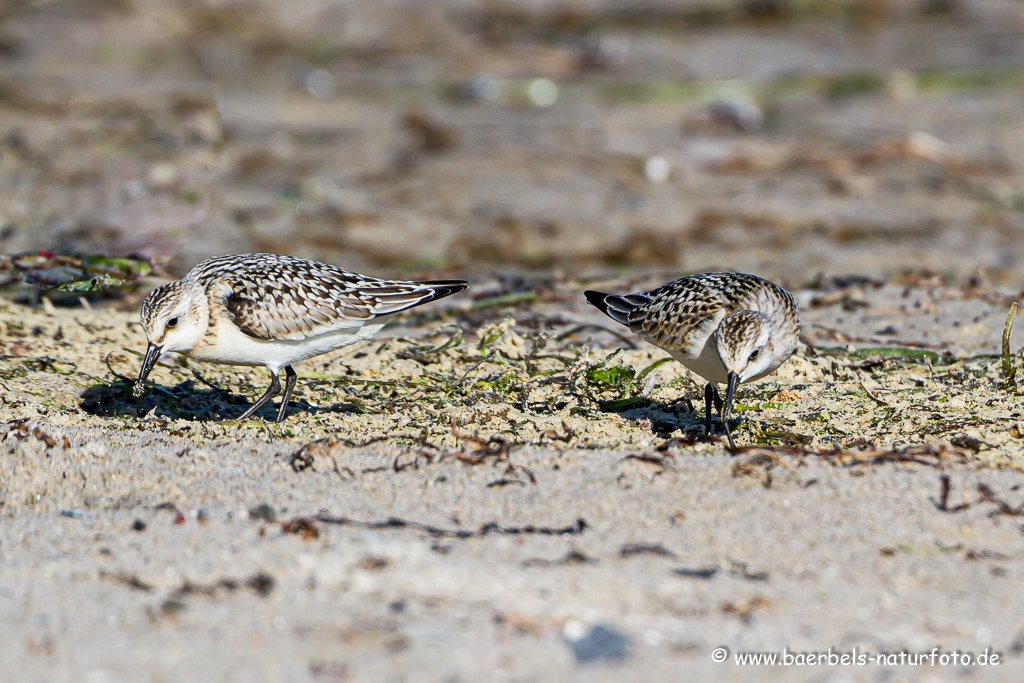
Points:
271	296
681	313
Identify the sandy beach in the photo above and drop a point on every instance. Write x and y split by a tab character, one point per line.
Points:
502	486
430	514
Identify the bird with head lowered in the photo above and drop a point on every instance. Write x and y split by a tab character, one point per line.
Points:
272	310
729	328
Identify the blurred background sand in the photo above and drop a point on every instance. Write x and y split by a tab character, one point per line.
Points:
792	139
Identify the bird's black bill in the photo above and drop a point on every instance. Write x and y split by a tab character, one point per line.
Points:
730	392
152	356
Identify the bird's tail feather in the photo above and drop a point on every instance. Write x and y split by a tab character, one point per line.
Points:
394	297
439	289
614	306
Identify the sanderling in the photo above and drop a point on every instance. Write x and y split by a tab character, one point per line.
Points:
272	310
728	328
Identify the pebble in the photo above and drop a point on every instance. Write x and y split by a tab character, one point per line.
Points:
263	513
595	643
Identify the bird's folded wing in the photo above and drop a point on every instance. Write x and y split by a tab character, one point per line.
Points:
671	319
278	311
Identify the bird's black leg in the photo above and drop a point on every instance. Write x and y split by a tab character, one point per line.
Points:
289	384
275	388
710	397
713	398
717	398
726	406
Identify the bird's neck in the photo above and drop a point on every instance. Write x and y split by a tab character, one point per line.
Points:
199	312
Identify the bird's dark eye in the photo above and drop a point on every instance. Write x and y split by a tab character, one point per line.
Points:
173	322
754	355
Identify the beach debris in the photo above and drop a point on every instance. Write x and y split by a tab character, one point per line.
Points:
259	583
985	495
572	557
307	455
977	555
737	113
543	92
740	570
263	512
482	87
969	443
697	573
303	527
20	430
635	549
432	136
1009	369
476	451
942	504
595	643
373	563
78	514
522	624
745	609
72	273
576	528
760	460
657	169
321	84
127	580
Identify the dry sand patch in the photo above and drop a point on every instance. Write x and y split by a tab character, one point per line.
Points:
475	494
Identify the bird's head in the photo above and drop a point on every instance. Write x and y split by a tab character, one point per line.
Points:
744	344
174	318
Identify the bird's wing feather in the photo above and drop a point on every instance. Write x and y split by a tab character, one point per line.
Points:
680	315
274	297
677	323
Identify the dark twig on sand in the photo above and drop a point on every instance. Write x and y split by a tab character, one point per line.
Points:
578	527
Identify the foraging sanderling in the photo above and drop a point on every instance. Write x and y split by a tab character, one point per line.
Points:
728	328
272	310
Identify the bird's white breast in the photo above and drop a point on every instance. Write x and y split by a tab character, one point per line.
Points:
228	344
707	363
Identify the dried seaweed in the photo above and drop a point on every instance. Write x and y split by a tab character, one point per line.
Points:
573	557
21	430
987	495
72	273
127	580
476	451
663	461
943	502
745	609
574	529
697	573
301	526
927	454
260	583
635	549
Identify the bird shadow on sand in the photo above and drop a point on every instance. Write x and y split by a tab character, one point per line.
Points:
680	416
186	401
